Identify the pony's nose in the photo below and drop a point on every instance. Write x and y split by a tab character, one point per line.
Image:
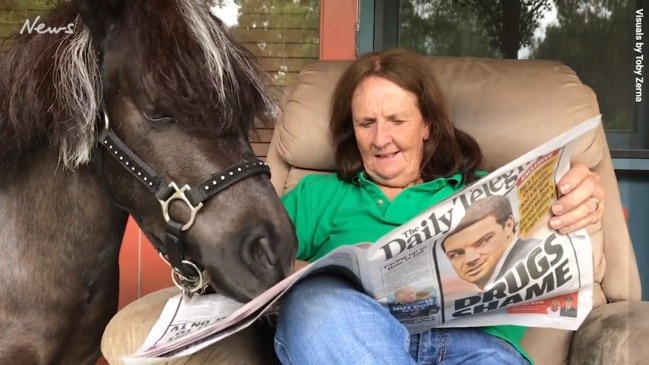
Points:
258	246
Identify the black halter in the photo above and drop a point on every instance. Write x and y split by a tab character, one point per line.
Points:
190	274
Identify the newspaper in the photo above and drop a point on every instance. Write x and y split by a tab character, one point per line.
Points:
447	267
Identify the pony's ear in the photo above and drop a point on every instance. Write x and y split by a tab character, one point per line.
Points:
100	16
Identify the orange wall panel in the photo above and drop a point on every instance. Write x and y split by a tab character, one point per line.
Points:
142	271
129	264
155	273
338	20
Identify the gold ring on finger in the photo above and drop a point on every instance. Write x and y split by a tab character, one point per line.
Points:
596	202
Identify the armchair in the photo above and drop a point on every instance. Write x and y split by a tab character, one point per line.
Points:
509	106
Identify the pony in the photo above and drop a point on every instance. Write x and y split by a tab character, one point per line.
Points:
118	108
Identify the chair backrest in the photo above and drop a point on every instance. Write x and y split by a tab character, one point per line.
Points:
510	107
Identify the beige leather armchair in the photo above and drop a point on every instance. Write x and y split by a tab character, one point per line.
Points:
509	106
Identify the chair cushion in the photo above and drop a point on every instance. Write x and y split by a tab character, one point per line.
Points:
128	329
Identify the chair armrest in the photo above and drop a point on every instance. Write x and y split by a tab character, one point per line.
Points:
613	333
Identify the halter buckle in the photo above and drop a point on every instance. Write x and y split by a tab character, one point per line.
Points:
189	286
179	194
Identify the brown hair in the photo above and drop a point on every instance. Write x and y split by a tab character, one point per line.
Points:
446	152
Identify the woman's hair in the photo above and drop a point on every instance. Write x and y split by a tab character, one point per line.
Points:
446	152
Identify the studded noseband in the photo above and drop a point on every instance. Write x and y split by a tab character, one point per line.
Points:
186	274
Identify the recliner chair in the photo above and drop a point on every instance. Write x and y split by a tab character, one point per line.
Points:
510	107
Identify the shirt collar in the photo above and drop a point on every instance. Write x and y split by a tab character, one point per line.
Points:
455	180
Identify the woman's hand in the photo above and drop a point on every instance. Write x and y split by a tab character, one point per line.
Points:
581	201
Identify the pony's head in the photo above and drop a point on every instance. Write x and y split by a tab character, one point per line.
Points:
181	95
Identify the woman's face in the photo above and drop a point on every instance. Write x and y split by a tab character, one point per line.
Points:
390	132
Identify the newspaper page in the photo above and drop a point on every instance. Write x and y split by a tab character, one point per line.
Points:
457	264
188	324
189	317
486	256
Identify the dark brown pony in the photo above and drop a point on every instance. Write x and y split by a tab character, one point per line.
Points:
107	112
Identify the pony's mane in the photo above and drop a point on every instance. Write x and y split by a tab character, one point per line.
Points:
50	84
193	67
49	91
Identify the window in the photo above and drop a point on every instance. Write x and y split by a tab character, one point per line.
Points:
283	34
603	41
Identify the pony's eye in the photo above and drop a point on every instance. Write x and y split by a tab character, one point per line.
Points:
154	118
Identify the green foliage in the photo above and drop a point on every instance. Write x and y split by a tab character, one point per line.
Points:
596	40
510	24
492	28
284	34
442	27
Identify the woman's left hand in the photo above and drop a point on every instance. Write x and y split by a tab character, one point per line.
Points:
581	201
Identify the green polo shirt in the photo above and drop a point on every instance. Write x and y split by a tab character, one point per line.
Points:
329	213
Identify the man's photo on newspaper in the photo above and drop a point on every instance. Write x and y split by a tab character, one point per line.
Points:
414	301
484	245
569	309
486	263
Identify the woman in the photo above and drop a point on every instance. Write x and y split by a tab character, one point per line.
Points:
397	154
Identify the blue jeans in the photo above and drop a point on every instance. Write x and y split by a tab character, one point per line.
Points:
325	320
